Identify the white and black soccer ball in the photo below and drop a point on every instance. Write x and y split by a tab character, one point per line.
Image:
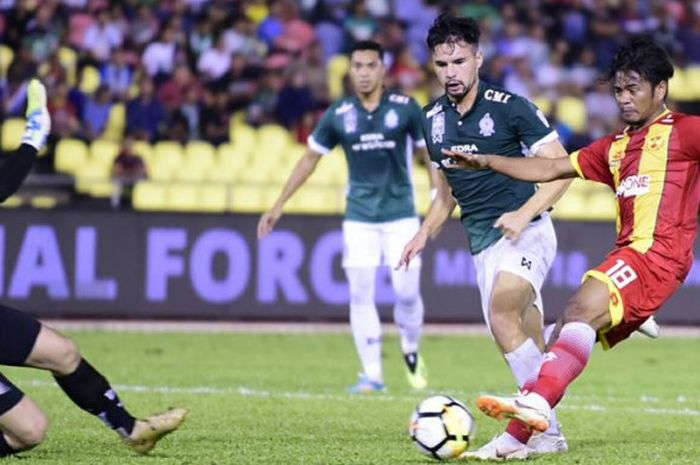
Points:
442	427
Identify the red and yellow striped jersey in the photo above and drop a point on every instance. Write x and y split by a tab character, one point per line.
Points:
654	174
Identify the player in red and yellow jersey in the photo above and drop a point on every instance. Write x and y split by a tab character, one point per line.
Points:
652	166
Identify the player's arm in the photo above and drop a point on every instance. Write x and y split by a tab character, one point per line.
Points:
301	172
440	210
533	169
433	173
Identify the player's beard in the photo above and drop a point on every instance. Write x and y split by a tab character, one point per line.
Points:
459	97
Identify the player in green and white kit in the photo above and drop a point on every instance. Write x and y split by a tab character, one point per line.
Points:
377	130
510	233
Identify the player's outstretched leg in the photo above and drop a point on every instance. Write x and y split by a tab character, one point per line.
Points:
38	119
91	391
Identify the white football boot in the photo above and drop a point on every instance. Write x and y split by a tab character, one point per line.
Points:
501	447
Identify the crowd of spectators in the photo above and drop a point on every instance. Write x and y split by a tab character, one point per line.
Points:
183	67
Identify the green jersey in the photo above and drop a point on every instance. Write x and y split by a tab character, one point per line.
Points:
499	122
378	147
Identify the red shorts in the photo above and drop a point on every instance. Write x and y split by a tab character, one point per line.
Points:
638	288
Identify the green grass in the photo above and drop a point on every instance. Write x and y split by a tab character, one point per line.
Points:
280	399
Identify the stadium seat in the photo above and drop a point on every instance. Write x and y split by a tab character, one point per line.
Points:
337	68
543	103
314	199
244	138
114	130
679	89
12	132
90	80
168	152
186	173
148	195
182	197
95	180
571	206
213	198
69	60
43	201
6	57
692	81
143	149
247	198
273	136
70	155
600	206
572	112
103	152
199	155
14	201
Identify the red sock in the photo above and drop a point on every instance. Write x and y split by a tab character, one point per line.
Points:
565	361
516	429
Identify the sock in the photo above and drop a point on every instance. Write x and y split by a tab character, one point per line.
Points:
409	309
5	448
411	359
525	362
90	391
367	333
565	361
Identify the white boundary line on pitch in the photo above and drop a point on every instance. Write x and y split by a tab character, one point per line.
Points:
250	392
291	327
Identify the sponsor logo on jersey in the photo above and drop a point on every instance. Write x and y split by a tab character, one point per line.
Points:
438	129
486	126
344	108
634	185
373	141
434	111
350	121
391	119
496	96
397	98
465	148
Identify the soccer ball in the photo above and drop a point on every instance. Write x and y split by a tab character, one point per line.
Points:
441	427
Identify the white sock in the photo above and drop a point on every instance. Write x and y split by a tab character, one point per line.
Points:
408	310
525	362
367	332
364	321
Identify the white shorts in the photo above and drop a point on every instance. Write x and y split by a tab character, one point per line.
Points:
530	257
369	245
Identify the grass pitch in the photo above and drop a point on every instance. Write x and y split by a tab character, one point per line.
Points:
280	399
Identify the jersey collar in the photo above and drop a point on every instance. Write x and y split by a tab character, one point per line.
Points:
479	96
382	100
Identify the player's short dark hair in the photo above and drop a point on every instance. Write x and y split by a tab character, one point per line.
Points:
448	29
367	45
646	58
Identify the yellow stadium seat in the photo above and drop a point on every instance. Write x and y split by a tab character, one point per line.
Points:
182	197
6	57
43	201
71	154
12	132
571	206
103	152
247	198
314	199
69	59
94	180
237	120
244	138
14	201
167	159
572	112
189	174
90	80
601	205
148	195
199	154
273	136
692	80
114	130
679	89
337	68
543	103
143	149
213	198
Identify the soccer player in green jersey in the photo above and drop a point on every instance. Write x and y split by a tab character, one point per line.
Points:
378	130
511	236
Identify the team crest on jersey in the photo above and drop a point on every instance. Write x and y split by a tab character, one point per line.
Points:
434	111
486	126
350	121
438	128
391	119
